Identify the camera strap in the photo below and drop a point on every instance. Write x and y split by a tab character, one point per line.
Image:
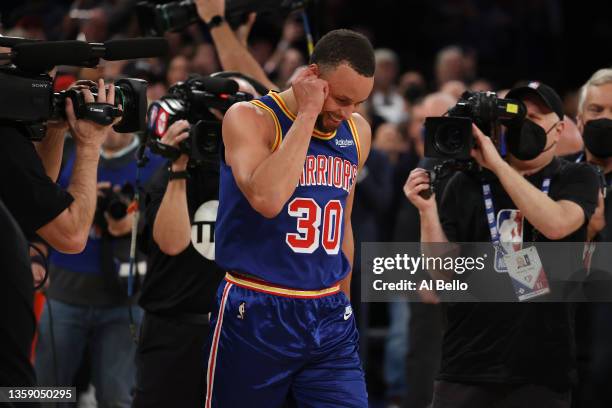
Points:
100	113
491	215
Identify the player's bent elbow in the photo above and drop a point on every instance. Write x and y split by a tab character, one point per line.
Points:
267	207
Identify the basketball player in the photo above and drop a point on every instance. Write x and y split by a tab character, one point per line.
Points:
283	322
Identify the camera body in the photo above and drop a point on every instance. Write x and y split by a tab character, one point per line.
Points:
450	138
191	100
114	203
156	19
29	99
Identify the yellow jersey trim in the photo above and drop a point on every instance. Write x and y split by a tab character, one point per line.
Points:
355	134
283	107
279	135
261	286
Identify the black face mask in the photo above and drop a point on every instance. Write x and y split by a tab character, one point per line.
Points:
527	141
598	137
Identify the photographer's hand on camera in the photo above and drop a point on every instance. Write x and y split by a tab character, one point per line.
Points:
416	187
485	152
85	132
172	226
175	134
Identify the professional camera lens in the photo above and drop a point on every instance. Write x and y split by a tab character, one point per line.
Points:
449	139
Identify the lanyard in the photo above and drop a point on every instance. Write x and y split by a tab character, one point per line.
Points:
490	211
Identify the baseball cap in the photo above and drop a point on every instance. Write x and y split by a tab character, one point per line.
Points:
548	95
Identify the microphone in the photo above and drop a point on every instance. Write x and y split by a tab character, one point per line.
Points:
43	56
217	86
135	48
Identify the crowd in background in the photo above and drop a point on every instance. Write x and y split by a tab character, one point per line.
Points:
401	100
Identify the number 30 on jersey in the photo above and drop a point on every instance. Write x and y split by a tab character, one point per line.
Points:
310	232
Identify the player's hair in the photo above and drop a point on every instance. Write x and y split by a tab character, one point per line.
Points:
601	77
345	47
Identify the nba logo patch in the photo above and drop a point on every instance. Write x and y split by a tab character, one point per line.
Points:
510	230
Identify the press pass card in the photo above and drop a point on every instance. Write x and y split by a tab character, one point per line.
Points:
527	273
510	230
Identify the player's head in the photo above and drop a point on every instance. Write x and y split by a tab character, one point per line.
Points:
345	59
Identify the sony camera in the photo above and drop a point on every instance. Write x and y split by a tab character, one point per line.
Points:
192	100
450	137
29	99
156	19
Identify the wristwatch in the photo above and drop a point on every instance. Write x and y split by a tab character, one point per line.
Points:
177	175
216	21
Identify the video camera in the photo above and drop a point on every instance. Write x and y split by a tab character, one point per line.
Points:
26	90
449	138
156	19
191	100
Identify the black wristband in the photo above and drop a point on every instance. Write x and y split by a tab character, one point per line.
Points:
178	175
215	21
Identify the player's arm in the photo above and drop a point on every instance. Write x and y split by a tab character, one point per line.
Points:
348	243
172	226
233	55
268	178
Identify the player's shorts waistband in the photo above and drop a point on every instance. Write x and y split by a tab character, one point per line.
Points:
265	287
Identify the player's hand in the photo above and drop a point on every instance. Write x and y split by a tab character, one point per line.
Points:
86	132
485	152
310	91
207	9
419	181
176	133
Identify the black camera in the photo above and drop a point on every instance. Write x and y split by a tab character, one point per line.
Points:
29	99
156	19
192	100
451	137
114	203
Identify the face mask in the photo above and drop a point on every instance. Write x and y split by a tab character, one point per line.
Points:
528	141
598	137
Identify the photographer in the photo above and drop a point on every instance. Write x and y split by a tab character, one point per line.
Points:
88	295
510	354
182	278
17	322
595	124
62	217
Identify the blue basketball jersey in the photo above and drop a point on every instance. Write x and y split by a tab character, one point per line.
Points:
301	247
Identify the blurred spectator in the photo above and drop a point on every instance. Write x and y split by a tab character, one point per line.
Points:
454	89
481	85
570	104
178	70
388	140
570	141
450	65
412	86
88	292
291	60
387	102
204	61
